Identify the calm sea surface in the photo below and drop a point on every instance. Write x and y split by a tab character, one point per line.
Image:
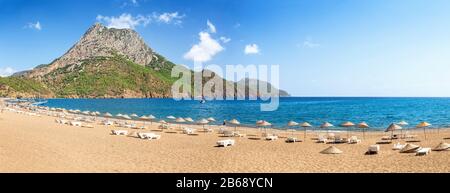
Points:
377	112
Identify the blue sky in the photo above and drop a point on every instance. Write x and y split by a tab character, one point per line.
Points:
323	48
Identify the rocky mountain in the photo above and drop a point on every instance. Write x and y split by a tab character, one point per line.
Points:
100	41
253	85
104	63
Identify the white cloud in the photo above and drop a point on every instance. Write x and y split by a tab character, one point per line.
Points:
124	21
211	27
36	26
251	49
134	3
7	71
168	18
310	44
205	49
225	39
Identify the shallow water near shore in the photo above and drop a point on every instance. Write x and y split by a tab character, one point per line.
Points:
377	112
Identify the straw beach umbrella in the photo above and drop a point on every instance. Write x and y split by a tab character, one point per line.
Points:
151	118
347	125
331	150
423	125
305	125
235	123
292	124
363	126
126	117
326	125
180	120
203	122
210	119
264	124
171	118
442	146
188	119
107	115
392	127
403	124
409	148
134	117
144	118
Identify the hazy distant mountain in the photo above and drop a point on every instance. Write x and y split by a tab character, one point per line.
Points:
104	63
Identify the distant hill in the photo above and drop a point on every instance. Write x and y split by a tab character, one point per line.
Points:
104	63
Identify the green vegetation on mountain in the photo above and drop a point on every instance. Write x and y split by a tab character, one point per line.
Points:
108	77
22	87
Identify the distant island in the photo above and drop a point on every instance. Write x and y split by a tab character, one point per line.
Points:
104	63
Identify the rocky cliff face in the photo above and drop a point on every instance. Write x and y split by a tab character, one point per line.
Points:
100	41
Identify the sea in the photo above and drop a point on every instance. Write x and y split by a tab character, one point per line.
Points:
377	112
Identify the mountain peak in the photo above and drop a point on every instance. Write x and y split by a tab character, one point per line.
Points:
100	41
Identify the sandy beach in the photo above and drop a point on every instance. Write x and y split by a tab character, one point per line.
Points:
39	144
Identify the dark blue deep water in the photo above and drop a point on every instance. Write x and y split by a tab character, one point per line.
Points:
377	112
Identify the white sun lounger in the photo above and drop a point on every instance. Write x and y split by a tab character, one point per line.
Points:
373	149
228	133
108	123
423	151
322	139
221	130
225	143
291	139
88	126
119	132
148	136
271	137
208	130
398	146
354	140
75	123
188	130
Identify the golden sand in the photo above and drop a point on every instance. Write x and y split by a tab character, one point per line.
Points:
38	144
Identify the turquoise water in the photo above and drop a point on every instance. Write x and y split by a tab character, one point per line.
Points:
377	112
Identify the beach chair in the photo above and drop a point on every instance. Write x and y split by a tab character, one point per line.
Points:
208	130
228	133
322	139
75	123
163	126
221	130
271	137
225	143
237	134
338	139
291	140
373	149
423	151
119	132
398	146
148	136
354	140
188	131
88	126
108	123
